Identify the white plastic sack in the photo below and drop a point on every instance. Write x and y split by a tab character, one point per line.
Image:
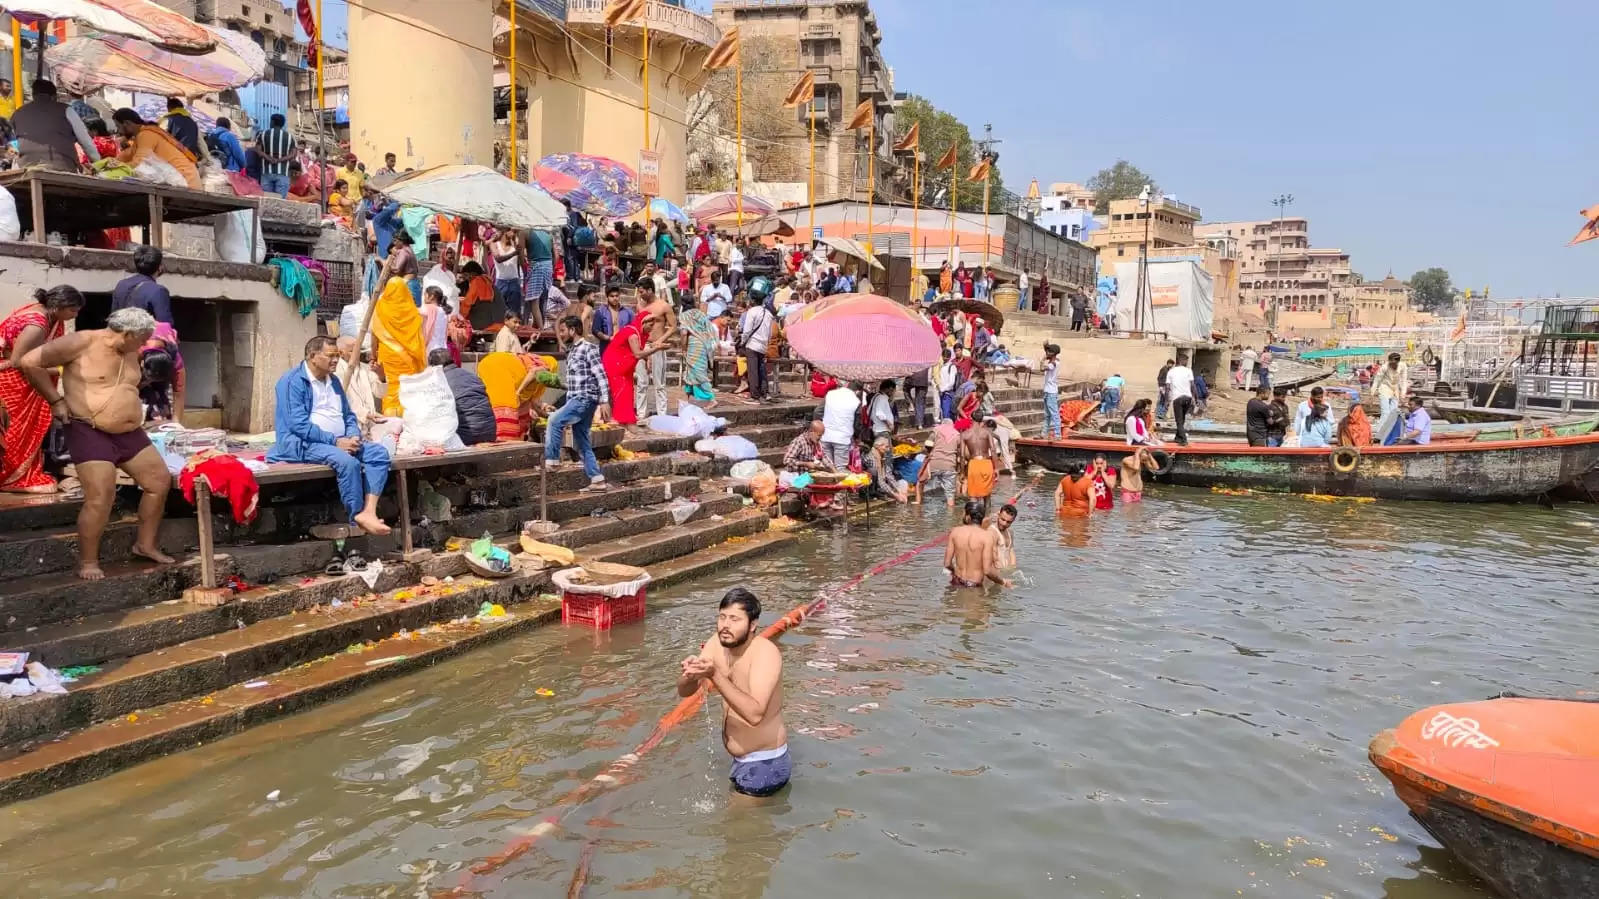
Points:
699	423
563	580
10	225
746	471
429	417
731	446
669	424
231	231
157	171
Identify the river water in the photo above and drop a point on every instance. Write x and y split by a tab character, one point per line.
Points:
1175	701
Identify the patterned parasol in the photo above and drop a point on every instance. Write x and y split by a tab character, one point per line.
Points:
594	184
87	63
142	19
860	337
662	208
720	207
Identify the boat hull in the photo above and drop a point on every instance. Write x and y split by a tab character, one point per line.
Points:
1506	785
1465	471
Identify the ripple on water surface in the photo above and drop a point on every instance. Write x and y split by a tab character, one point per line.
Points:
1175	701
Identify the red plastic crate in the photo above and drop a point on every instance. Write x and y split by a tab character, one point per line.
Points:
601	612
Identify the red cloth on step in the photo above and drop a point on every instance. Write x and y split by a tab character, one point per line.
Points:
226	477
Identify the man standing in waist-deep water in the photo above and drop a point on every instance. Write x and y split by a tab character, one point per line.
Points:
747	670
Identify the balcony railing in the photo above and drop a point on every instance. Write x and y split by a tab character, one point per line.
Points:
662	17
873	85
821	33
823	72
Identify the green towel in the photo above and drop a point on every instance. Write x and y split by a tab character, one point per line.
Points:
297	284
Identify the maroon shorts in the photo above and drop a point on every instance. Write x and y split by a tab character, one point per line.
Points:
87	443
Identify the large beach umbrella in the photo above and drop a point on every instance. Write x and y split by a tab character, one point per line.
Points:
477	193
593	184
715	207
861	337
88	63
143	19
662	208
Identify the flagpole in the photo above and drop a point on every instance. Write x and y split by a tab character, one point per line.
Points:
813	168
871	183
916	205
512	4
954	202
986	182
645	18
321	108
738	131
16	63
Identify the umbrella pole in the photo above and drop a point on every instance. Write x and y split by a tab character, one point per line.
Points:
813	170
871	183
513	170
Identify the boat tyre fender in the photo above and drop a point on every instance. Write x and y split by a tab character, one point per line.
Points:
1345	458
1427	358
1162	460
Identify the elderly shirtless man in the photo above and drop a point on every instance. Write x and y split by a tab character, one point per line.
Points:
972	553
747	670
104	420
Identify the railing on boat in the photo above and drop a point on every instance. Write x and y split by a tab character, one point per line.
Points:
1563	392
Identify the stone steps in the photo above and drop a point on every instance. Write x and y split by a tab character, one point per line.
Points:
309	630
119	742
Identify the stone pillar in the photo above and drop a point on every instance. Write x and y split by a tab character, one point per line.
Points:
425	98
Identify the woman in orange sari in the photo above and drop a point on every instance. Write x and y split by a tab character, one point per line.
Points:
24	414
1355	429
397	328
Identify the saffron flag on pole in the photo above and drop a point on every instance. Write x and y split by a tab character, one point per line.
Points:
949	159
980	171
1590	228
803	92
861	118
911	140
725	53
1460	328
619	11
302	11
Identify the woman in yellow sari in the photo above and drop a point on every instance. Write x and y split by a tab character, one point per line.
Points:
397	326
511	391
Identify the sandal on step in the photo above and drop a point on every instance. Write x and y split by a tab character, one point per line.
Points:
354	563
334	568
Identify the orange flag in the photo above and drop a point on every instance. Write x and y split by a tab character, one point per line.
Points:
980	171
911	140
619	11
1590	228
803	92
948	160
861	118
1460	329
725	53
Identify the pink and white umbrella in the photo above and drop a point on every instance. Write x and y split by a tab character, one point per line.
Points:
143	19
862	337
720	207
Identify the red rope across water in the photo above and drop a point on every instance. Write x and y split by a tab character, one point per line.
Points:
613	773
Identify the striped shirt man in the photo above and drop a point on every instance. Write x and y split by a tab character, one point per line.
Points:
275	142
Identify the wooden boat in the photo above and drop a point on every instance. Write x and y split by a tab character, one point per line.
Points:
1508	785
1457	471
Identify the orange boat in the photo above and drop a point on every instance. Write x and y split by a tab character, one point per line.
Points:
1510	785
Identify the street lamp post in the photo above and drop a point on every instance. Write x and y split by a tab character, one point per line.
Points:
1282	203
1143	266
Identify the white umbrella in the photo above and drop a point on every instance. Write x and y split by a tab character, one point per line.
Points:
478	193
142	19
851	248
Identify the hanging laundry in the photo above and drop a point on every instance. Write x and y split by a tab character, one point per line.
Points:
297	284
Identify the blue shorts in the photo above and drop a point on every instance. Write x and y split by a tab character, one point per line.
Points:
762	773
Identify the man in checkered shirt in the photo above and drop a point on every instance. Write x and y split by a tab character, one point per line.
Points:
586	391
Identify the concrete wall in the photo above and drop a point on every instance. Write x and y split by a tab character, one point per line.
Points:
591	109
424	98
257	333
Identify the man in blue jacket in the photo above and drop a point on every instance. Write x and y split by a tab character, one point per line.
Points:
315	425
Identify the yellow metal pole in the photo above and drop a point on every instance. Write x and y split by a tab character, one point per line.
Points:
16	62
954	202
321	111
514	172
813	169
871	183
986	183
916	210
738	136
645	19
321	100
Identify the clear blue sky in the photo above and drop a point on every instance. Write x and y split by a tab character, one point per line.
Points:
1413	133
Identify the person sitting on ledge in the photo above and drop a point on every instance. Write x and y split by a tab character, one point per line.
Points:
315	425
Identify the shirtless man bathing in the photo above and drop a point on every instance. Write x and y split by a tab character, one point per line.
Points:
972	553
104	420
747	670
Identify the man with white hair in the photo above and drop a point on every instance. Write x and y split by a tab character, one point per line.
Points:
98	404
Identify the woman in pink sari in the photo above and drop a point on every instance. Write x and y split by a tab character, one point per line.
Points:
24	414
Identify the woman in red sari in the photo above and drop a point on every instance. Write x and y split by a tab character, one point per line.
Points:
621	356
22	463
